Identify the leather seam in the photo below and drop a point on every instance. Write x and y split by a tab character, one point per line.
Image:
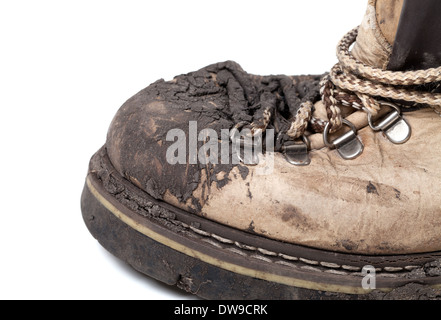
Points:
239	247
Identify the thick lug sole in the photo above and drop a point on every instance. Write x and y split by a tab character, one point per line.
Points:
214	261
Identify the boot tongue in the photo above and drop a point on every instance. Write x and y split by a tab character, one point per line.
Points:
377	32
418	38
400	35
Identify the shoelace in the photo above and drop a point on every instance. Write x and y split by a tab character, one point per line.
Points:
353	84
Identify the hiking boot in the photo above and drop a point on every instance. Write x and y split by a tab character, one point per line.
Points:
236	186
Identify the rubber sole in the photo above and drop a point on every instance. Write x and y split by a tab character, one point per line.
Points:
214	261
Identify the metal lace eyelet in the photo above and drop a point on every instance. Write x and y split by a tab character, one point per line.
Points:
393	125
348	145
246	148
297	153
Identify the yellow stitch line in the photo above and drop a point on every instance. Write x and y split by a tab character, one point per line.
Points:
219	263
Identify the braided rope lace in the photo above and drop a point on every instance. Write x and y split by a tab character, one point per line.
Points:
352	83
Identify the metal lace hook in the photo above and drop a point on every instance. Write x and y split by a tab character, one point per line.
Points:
246	147
297	154
348	145
393	125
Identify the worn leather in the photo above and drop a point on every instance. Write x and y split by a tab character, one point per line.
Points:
388	13
376	34
400	35
387	201
418	39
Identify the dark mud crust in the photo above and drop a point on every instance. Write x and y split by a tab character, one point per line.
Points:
218	97
211	282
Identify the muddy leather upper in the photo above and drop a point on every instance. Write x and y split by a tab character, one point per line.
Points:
387	201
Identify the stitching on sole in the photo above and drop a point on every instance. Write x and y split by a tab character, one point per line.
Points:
231	245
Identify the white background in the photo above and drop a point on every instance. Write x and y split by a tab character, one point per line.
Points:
65	69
